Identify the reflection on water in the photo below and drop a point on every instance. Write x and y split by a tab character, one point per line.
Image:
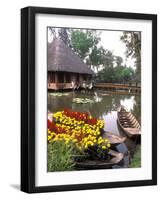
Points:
110	120
105	106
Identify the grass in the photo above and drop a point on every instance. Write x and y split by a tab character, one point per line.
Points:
60	157
136	160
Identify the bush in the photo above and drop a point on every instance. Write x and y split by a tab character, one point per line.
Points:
60	156
118	74
136	160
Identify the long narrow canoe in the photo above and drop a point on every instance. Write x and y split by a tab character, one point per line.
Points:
116	158
128	123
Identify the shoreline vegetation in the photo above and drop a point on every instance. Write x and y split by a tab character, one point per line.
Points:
136	160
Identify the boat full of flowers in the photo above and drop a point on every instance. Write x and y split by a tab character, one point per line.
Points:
80	128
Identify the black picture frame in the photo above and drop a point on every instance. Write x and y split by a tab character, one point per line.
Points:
28	98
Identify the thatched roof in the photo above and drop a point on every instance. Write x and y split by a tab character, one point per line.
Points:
62	58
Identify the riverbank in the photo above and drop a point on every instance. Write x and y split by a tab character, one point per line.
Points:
136	160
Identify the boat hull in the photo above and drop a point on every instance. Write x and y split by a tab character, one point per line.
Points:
116	158
128	123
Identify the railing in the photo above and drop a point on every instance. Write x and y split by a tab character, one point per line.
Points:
117	86
59	86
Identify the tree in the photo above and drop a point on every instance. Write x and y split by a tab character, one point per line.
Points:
95	57
52	31
85	44
81	42
107	58
107	74
132	41
64	35
118	74
118	60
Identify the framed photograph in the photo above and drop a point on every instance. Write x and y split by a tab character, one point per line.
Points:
88	99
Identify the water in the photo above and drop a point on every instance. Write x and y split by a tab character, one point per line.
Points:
104	107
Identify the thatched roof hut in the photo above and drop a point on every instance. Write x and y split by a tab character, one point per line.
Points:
61	58
65	66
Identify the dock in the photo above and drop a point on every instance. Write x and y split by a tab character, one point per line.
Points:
114	86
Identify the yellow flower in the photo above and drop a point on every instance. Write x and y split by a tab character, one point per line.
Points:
49	137
90	143
103	147
109	145
75	140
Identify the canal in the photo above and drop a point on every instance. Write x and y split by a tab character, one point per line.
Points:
100	104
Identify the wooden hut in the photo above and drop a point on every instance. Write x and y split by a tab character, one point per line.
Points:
65	68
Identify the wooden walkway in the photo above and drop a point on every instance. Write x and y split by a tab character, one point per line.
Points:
113	86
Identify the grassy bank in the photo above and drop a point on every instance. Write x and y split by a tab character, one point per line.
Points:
136	160
60	157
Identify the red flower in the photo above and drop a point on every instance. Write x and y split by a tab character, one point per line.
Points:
87	115
80	116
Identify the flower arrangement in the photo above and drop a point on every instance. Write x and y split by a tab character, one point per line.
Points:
78	128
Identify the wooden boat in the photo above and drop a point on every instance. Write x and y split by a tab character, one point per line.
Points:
113	139
128	123
115	158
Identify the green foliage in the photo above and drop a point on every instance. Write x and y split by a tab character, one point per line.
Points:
85	44
118	60
107	74
107	58
60	156
119	74
95	56
82	42
136	161
82	100
132	41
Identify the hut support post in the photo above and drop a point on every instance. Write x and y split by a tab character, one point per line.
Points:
64	78
56	77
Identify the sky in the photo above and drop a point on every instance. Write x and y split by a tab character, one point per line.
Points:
111	40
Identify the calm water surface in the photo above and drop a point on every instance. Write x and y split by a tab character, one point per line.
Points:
104	107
